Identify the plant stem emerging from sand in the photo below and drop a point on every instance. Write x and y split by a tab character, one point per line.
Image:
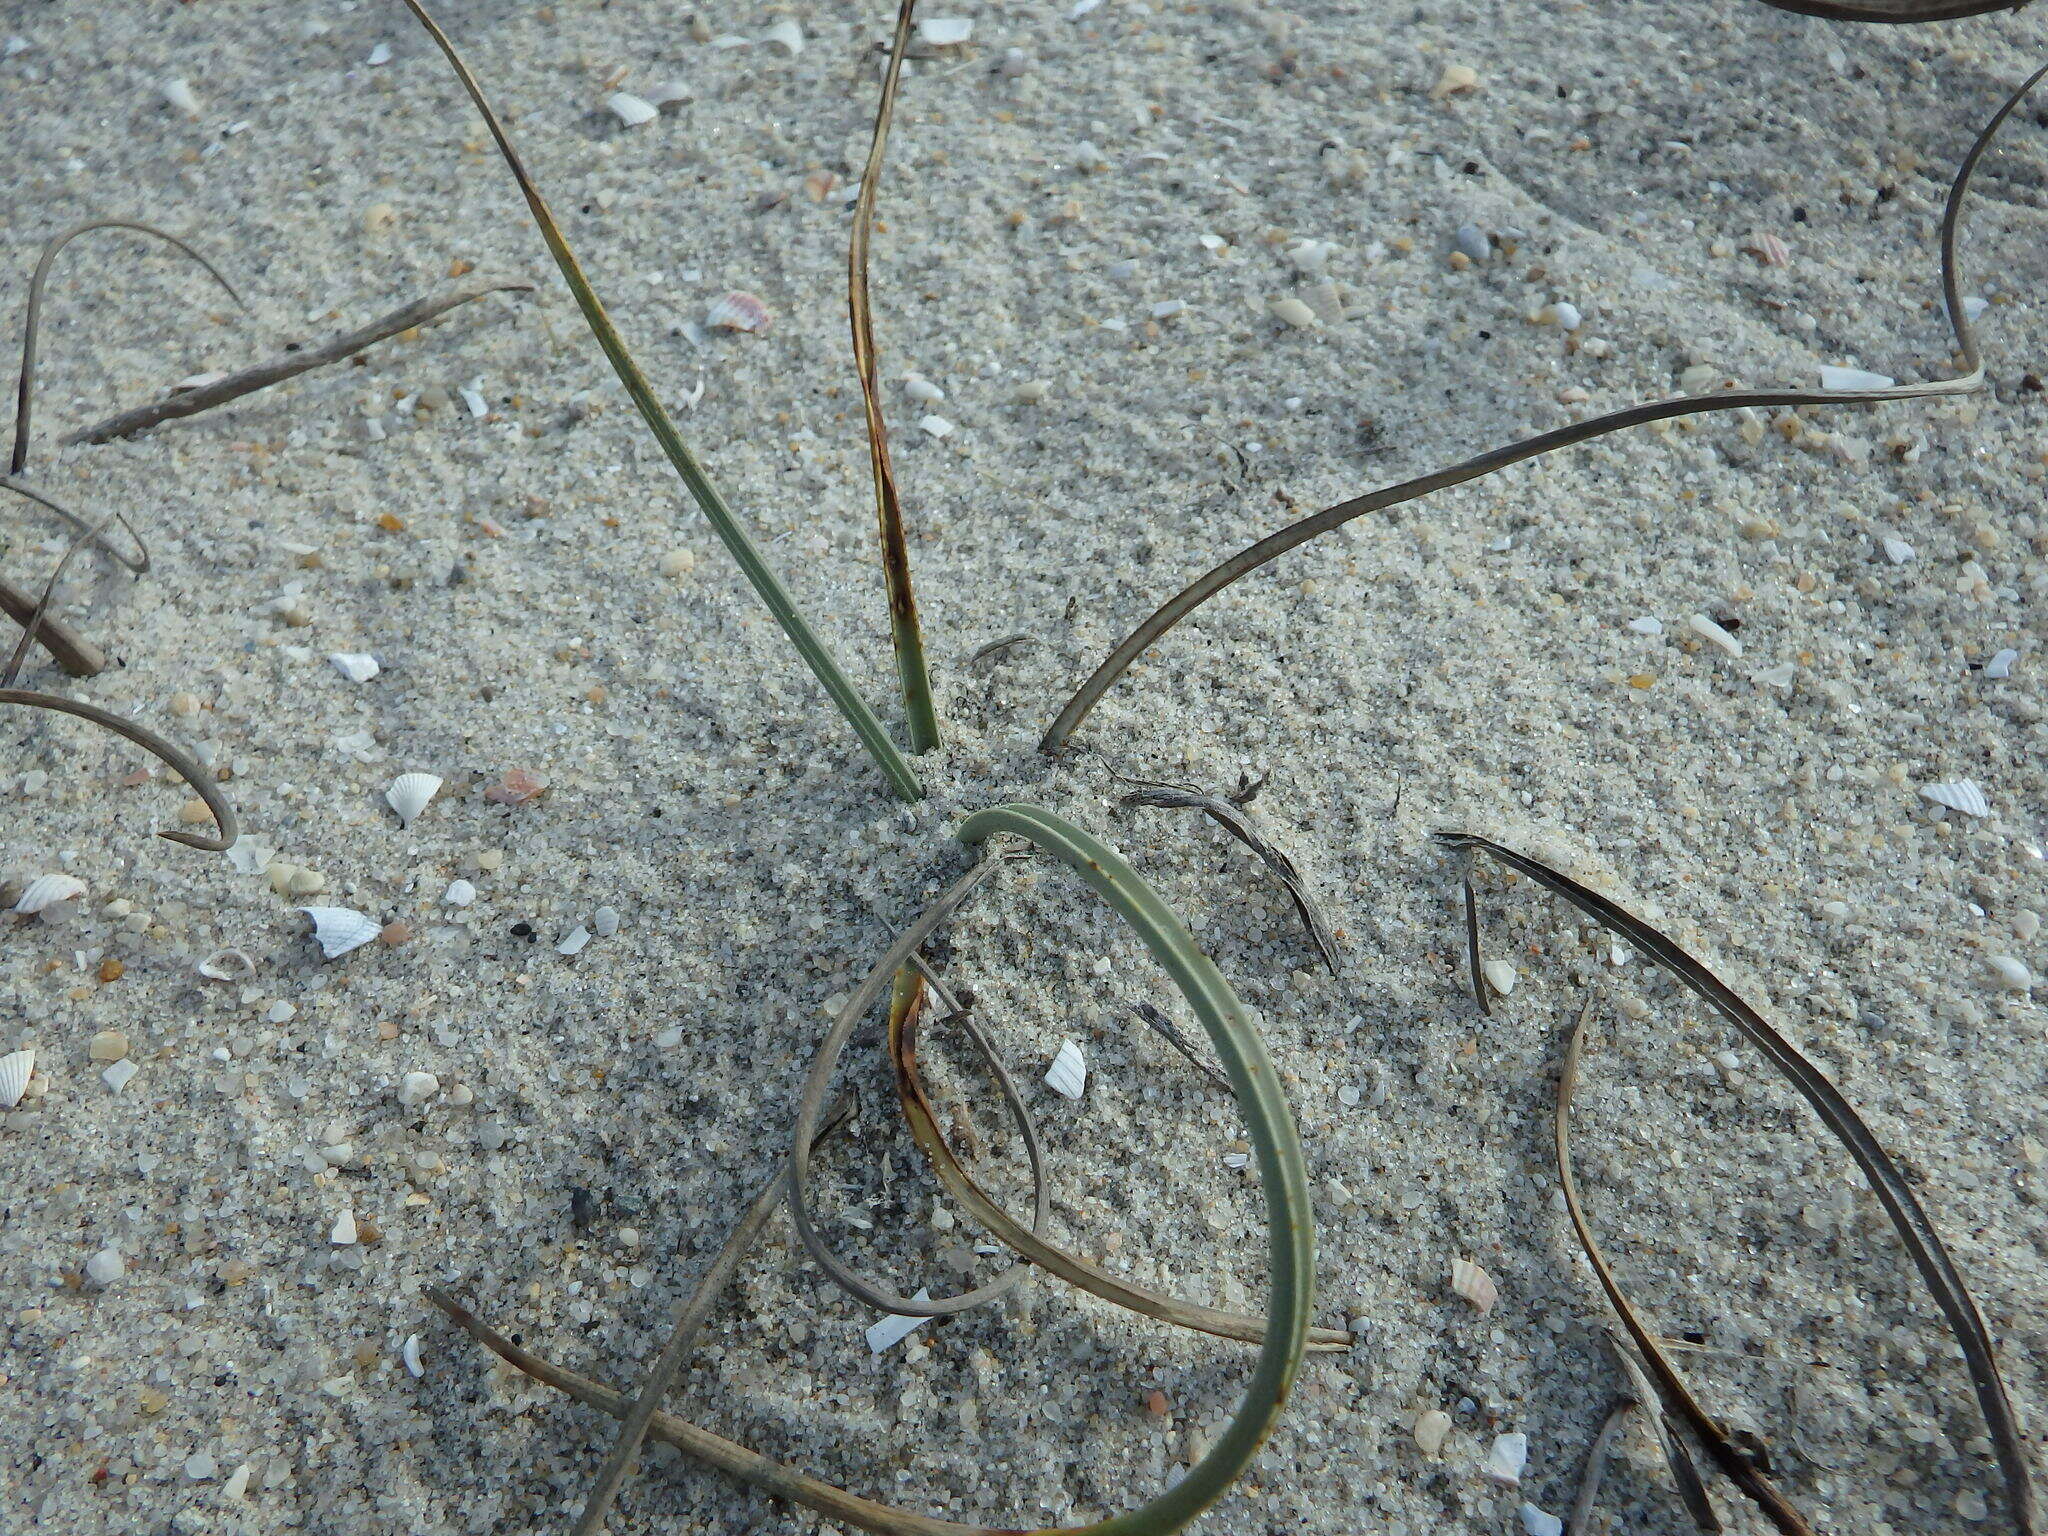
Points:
286	365
184	767
31	327
766	584
78	656
1493	460
920	716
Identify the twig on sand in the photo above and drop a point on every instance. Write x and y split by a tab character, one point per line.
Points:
286	365
78	656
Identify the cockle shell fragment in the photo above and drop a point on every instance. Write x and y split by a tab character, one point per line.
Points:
630	109
1958	795
341	929
895	1327
47	891
1068	1074
409	794
1474	1284
737	312
16	1067
1500	976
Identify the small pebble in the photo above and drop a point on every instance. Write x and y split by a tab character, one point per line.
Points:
2009	973
1897	550
237	1484
1507	1458
1456	79
415	1088
354	666
678	562
105	1267
201	1468
1348	1097
107	1045
1646	625
1289	310
1499	975
937	426
1030	392
460	893
604	922
1472	241
184	705
1432	1428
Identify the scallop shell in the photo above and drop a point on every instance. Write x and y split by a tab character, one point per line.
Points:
15	1068
1957	794
630	109
409	794
737	312
47	891
1474	1284
340	929
1068	1073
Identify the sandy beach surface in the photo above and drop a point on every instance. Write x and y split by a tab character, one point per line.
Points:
1085	224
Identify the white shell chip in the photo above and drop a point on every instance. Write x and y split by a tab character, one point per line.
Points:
1958	795
896	1327
409	794
356	666
630	109
1474	1284
943	31
47	891
340	929
1510	1453
1068	1074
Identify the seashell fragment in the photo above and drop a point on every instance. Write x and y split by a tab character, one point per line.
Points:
630	109
460	893
943	31
519	786
667	94
1854	378
120	1074
1510	1453
105	1267
1290	311
226	965
1896	549
1474	1284
1958	795
1068	1074
894	1328
1432	1427
415	1088
1499	975
250	857
343	1232
341	929
409	794
1540	1522
922	389
2000	666
737	312
1455	80
15	1070
1708	630
178	93
938	426
48	891
573	942
356	667
2009	973
604	922
411	1355
785	35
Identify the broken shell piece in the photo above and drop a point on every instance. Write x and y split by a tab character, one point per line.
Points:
943	31
343	1232
1510	1453
1432	1428
1456	79
1896	549
573	942
1540	1522
1474	1284
460	893
737	312
1854	379
922	389
120	1074
48	891
15	1069
1290	311
411	1355
415	1088
519	786
630	109
356	667
937	426
785	35
2000	666
1068	1074
2009	973
409	794
226	965
895	1327
250	857
178	93
1957	794
1499	975
1708	630
341	929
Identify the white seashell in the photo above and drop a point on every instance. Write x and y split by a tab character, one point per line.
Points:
938	426
1854	379
47	891
340	929
237	1484
1474	1284
105	1267
894	1328
477	406
120	1074
460	893
1167	309
250	857
787	36
1432	1427
356	667
1958	795
1974	306
1290	311
1499	975
1237	1160
922	390
226	965
409	794
343	1232
1510	1453
1647	625
1896	549
1779	676
1068	1073
737	312
1455	79
667	94
1708	630
2010	974
15	1070
411	1354
573	941
1563	314
381	54
604	922
2001	664
943	31
630	109
1540	1522
1310	255
178	93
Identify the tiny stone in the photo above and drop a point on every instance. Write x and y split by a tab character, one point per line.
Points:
1456	79
1471	240
604	922
200	1467
1540	1522
185	705
2009	973
107	1045
105	1267
460	893
678	562
415	1088
193	812
1507	1458
1432	1427
1499	975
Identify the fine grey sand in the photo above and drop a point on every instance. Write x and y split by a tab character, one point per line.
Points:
540	596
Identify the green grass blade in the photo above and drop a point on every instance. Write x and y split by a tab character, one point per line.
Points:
757	570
